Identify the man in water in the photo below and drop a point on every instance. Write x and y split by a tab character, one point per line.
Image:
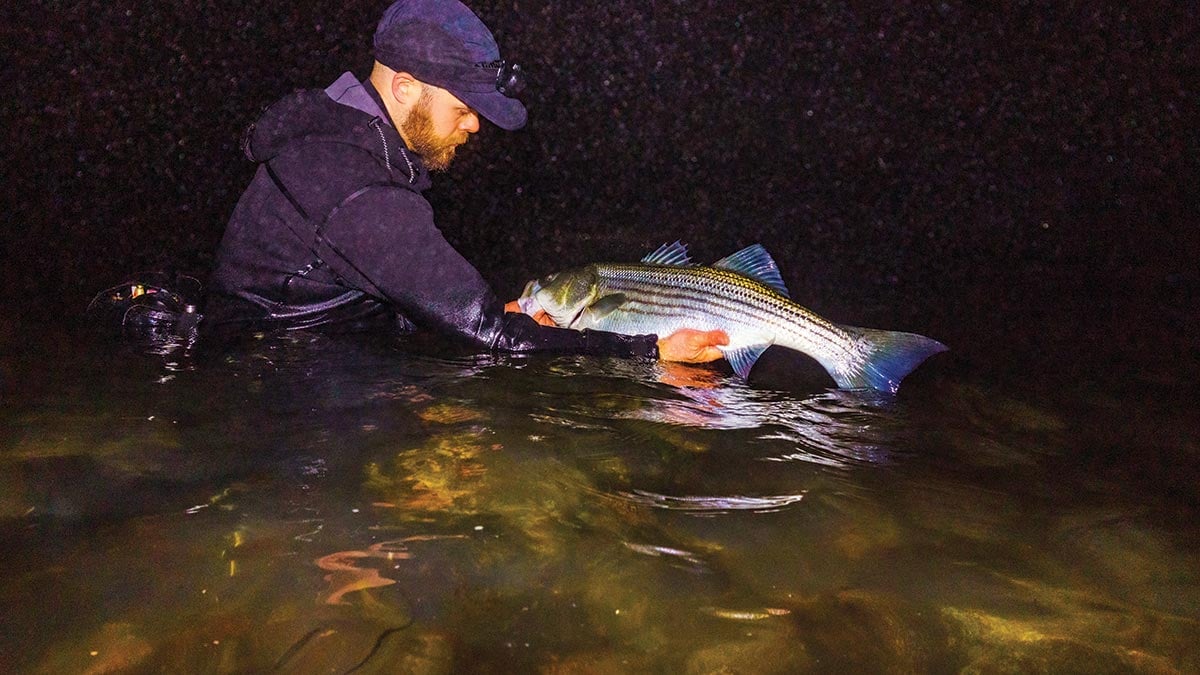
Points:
333	229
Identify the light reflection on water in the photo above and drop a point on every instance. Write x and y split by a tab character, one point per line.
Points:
317	504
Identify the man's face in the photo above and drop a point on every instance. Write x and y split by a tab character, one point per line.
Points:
437	125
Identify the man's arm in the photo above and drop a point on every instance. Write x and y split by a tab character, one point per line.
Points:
685	345
383	241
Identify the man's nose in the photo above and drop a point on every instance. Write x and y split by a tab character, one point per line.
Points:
469	123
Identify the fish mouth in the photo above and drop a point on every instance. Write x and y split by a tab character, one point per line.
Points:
529	305
528	301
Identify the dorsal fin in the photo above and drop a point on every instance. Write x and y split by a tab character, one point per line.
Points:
669	254
756	263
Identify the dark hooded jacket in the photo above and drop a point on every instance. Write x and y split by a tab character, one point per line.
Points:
333	229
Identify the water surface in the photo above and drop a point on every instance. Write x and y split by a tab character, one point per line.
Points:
314	503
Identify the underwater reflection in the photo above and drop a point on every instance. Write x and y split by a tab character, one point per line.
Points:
834	427
694	441
689	406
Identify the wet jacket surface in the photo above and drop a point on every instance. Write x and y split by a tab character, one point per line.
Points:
333	229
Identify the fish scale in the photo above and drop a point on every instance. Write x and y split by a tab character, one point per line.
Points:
708	298
742	295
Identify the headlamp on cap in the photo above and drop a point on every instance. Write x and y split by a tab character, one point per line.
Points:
463	61
510	79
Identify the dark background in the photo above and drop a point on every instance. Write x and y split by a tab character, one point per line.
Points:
1019	179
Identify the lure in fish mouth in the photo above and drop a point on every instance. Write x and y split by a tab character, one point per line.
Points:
742	294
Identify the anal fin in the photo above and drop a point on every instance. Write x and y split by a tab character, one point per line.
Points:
743	358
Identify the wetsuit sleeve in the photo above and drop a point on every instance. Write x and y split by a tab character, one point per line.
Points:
382	239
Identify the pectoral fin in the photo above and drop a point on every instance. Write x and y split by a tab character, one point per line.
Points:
742	358
600	309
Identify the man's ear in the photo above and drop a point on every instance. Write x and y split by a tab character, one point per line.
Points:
406	89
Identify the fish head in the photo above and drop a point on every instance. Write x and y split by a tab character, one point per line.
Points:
564	295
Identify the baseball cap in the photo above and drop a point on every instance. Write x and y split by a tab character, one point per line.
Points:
443	43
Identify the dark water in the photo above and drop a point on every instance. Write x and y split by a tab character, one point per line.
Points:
313	503
1016	180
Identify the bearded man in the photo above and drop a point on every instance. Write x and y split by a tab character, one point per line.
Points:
334	229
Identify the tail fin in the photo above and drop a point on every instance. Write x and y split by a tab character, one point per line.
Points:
887	357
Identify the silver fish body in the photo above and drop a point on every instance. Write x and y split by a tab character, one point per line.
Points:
742	295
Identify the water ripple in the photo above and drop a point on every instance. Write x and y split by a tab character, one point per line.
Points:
711	505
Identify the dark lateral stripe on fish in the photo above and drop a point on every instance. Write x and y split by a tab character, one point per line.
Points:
672	303
704	302
828	337
714	305
701	292
835	342
708	285
760	306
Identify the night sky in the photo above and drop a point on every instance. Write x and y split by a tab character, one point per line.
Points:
1027	171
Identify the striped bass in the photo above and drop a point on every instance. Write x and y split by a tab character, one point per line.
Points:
742	294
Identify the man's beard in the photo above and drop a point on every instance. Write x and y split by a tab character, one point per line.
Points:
437	151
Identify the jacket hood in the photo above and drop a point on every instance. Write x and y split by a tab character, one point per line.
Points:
314	116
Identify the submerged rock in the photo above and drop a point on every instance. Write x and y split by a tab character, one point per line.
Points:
758	653
114	648
1056	629
994	644
857	630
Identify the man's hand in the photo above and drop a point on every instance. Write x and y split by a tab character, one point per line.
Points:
685	345
539	316
692	346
